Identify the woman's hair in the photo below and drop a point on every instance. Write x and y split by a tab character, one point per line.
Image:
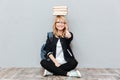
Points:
55	31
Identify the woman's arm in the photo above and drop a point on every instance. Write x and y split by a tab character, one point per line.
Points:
50	52
67	34
54	60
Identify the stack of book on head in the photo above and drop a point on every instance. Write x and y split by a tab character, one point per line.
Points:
60	10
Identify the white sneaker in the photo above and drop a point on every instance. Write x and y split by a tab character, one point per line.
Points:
47	73
75	73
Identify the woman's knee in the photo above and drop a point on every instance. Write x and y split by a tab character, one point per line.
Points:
43	63
74	62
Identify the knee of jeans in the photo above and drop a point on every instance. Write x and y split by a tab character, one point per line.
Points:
43	63
74	62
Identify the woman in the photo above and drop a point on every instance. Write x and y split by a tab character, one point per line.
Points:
62	60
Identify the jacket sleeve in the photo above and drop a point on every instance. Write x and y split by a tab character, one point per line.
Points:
70	39
48	46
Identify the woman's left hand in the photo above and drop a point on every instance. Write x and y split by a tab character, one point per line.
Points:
67	29
67	34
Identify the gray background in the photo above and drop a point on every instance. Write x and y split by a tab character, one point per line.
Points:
94	23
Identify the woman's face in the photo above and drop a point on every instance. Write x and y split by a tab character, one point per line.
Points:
60	24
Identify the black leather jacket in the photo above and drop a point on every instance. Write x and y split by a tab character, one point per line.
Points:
65	42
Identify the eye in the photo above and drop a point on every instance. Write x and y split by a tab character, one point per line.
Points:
61	22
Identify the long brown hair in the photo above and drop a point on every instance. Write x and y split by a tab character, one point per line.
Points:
55	31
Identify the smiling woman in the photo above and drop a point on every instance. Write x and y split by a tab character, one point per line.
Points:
58	51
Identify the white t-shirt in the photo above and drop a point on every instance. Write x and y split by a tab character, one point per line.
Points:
59	53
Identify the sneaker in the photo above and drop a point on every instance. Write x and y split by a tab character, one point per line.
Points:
47	73
75	73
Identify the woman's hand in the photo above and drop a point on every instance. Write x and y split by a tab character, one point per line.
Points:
57	64
67	34
67	29
54	60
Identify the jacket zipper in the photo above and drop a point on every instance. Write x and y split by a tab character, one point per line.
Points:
69	52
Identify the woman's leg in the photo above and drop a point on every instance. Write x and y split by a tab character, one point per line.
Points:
50	66
70	65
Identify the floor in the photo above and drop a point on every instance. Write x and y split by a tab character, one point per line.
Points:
36	74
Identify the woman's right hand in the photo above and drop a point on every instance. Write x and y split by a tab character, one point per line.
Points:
57	64
54	60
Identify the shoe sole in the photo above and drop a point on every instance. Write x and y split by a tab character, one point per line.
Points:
44	73
79	75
